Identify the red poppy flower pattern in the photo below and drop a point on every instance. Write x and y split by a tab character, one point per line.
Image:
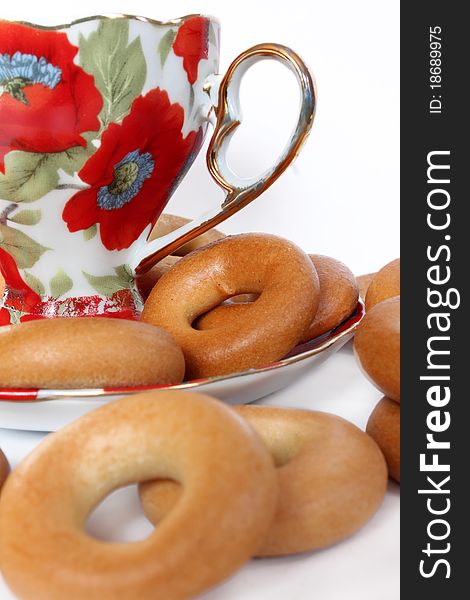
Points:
192	44
46	100
131	175
20	295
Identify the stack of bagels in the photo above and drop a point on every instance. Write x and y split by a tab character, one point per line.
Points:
377	347
223	483
227	305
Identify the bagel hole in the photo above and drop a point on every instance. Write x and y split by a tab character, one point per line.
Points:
119	518
242	298
245	298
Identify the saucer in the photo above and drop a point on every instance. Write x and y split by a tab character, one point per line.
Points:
48	410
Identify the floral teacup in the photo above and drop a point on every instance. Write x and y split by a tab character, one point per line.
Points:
99	121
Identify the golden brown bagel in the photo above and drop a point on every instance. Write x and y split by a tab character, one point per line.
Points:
332	479
168	223
4	468
338	299
338	295
377	346
386	284
363	282
263	264
229	500
384	427
87	352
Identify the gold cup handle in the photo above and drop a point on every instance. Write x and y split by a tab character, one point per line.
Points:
239	192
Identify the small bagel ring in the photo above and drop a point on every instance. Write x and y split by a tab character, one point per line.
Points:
230	496
4	468
332	479
264	264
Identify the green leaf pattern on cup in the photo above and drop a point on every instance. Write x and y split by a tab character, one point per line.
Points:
60	284
119	67
165	45
31	175
34	283
28	176
89	234
26	217
108	285
24	250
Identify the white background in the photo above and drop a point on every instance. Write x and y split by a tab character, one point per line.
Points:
340	198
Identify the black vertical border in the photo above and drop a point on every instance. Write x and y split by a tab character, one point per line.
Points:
422	132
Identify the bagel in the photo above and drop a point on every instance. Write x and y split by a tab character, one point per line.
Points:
167	223
338	298
80	352
332	479
385	285
4	468
230	496
384	427
276	269
339	295
377	346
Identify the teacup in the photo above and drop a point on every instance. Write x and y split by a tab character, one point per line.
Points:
99	121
